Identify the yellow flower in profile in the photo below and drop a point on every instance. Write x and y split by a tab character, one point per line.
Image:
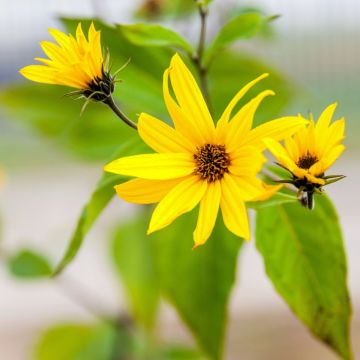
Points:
198	162
310	152
75	62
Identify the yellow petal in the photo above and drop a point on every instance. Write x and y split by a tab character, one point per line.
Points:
334	135
190	98
227	112
241	123
181	199
325	118
141	191
62	39
153	166
268	192
314	179
292	149
246	160
181	122
209	207
333	155
280	153
278	129
161	137
233	208
39	73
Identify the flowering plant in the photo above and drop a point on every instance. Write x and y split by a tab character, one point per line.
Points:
210	156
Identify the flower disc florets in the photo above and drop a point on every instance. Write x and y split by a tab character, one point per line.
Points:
212	162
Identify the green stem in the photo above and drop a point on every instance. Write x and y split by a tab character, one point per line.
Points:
110	102
198	57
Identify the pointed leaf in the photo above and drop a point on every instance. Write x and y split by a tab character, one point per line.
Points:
243	26
154	35
28	264
304	258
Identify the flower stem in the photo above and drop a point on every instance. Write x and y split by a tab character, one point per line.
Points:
110	102
198	57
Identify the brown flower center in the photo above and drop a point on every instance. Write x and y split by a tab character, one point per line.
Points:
306	161
212	161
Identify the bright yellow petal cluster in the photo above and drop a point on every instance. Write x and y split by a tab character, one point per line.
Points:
198	163
313	149
74	61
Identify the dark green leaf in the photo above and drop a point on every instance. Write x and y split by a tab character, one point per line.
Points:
304	257
28	264
243	26
154	35
100	198
77	342
198	282
134	259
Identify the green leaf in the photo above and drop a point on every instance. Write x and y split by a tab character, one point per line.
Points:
154	35
304	258
244	26
132	251
27	264
99	199
198	282
77	342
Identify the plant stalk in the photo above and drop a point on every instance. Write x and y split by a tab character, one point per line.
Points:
110	102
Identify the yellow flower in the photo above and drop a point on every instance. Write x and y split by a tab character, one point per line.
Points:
311	151
74	61
198	162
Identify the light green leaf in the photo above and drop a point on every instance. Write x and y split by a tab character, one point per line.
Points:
99	199
132	251
304	258
244	26
28	265
198	282
77	342
154	35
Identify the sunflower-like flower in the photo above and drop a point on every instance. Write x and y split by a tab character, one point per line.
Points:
76	62
198	162
310	152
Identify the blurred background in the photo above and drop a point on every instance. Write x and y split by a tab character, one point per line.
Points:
316	44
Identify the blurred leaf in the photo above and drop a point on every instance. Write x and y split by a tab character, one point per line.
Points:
134	259
198	282
77	342
100	198
179	353
27	264
243	26
304	258
231	71
277	199
154	35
